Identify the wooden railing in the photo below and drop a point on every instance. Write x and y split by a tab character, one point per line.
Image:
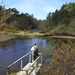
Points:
35	64
21	60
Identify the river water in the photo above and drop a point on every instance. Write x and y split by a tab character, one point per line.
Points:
14	49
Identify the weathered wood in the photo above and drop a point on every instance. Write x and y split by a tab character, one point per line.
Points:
21	64
31	68
31	71
18	60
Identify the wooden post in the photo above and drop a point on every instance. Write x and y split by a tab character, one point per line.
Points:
30	58
35	67
7	71
21	64
41	58
26	72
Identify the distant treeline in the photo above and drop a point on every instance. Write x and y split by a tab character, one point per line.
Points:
12	19
62	16
56	23
61	22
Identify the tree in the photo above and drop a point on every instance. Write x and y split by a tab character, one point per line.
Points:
63	17
48	20
55	20
4	15
72	13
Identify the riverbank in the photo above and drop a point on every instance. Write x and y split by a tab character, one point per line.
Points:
63	37
5	36
29	34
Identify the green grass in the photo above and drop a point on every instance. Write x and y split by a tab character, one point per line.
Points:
13	73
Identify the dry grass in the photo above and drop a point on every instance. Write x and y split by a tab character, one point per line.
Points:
7	35
29	34
4	36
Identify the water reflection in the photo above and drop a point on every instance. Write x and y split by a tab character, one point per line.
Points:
14	49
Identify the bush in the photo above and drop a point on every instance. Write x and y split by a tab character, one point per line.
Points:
63	62
29	31
14	31
6	30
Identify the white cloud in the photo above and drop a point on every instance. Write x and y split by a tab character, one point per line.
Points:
49	9
39	8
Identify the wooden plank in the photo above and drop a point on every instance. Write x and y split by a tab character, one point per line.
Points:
37	69
31	71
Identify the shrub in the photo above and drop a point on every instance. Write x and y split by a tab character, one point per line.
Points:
29	31
63	62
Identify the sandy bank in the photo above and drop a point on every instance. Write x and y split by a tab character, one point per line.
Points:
63	37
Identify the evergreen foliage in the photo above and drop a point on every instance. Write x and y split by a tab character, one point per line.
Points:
12	19
65	16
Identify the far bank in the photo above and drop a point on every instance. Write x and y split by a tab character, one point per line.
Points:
5	36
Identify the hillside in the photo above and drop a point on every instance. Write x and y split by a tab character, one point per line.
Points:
62	22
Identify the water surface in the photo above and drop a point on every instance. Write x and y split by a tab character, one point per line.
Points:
14	49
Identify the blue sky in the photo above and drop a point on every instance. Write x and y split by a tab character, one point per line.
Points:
39	8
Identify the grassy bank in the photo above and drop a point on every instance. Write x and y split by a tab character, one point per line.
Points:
29	34
7	35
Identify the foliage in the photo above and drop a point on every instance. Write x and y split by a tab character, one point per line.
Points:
45	30
59	30
49	21
65	16
41	24
6	30
4	15
63	62
29	31
22	21
11	18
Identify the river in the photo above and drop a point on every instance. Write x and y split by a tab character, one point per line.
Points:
14	49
